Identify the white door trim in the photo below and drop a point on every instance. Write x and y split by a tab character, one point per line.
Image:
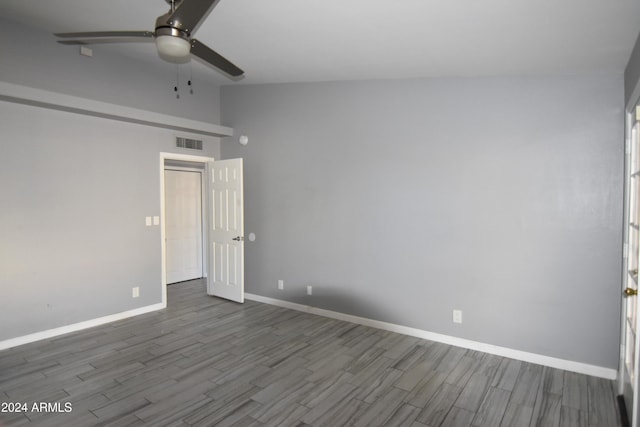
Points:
625	253
173	156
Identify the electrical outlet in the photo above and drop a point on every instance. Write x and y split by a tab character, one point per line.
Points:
457	316
135	292
309	290
280	284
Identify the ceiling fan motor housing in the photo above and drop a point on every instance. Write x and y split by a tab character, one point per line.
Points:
173	32
174	44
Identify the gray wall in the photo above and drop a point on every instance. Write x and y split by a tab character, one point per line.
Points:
403	200
30	57
75	190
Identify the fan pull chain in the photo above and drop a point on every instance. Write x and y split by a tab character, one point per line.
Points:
175	88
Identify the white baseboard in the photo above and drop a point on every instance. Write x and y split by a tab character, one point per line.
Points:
552	362
50	333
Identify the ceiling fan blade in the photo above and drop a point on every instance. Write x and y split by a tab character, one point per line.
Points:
206	54
104	34
104	37
190	13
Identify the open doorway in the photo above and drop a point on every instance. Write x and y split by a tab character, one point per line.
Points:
184	255
184	230
222	227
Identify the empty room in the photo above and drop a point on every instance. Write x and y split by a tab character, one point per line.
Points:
319	213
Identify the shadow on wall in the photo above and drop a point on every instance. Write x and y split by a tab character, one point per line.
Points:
337	300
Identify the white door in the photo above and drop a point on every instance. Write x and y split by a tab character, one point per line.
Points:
183	225
226	230
630	350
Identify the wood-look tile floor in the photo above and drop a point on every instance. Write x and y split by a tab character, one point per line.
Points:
207	362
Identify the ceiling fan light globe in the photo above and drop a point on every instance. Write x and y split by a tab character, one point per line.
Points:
171	48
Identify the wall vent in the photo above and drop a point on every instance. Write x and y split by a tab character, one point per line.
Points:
192	144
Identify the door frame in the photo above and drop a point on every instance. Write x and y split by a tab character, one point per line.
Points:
163	248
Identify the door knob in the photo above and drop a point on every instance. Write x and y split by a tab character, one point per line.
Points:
629	292
238	238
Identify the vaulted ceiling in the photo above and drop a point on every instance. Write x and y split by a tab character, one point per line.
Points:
314	40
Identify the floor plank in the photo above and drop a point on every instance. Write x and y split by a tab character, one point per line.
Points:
206	361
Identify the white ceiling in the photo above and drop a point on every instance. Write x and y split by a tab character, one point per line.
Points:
319	40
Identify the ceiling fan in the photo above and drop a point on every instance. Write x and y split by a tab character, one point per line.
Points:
172	35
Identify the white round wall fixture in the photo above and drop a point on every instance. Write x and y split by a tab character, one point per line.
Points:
244	140
252	237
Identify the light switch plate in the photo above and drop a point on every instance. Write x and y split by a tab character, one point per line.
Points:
156	220
147	221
